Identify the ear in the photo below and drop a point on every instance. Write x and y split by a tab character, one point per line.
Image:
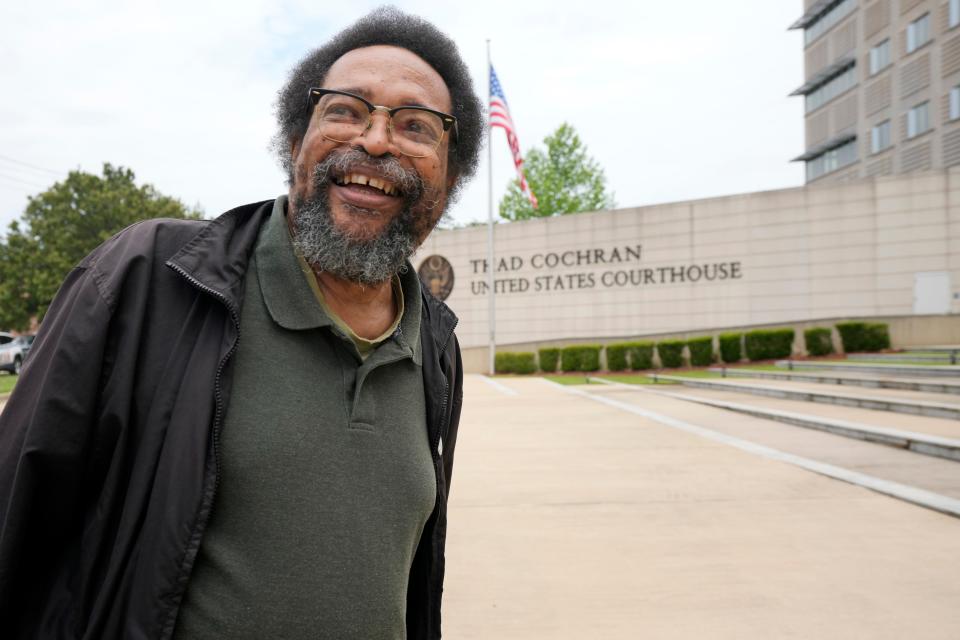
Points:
451	179
295	148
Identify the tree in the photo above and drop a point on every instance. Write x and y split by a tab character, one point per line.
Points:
564	179
62	225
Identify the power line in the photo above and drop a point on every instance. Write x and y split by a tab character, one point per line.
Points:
22	181
32	166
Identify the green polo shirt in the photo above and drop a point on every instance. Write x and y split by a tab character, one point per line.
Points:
326	477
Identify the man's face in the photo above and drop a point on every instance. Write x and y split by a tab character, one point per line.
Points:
388	76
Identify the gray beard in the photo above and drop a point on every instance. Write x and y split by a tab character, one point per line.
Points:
369	261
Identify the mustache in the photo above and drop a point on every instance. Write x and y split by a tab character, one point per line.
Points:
387	167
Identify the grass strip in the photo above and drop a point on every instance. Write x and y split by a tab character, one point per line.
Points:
7	382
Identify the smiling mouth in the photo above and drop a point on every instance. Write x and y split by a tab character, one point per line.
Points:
367	183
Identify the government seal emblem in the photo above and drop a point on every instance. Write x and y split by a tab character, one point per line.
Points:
437	275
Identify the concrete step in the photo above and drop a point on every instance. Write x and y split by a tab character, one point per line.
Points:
940	358
931	385
918	442
877	402
807	386
912	370
948	348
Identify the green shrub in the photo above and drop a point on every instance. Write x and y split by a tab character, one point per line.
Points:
549	359
617	356
730	347
863	336
818	341
878	336
853	336
701	351
507	362
640	355
768	344
671	353
585	357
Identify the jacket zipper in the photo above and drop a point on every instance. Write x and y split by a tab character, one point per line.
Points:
218	414
444	419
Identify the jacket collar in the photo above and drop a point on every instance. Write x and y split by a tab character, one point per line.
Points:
216	259
438	319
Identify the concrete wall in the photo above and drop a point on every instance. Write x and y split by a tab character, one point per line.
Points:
821	251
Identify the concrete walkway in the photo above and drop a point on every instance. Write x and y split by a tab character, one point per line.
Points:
572	519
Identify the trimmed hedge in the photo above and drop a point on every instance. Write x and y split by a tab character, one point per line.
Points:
584	357
863	336
818	341
507	362
549	358
640	355
701	351
730	351
671	353
617	356
768	344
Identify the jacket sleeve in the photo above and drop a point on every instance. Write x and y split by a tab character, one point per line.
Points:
48	438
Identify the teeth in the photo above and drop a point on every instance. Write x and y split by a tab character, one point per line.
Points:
376	183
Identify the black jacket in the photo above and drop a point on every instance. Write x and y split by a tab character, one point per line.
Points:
108	446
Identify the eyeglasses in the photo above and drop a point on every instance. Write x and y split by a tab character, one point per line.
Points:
416	131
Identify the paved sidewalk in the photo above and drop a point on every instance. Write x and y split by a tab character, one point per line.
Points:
570	519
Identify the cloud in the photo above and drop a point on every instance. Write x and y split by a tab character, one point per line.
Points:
675	101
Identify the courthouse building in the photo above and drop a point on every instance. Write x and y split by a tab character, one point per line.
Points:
874	234
886	248
881	87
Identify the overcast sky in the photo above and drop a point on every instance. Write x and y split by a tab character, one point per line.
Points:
676	100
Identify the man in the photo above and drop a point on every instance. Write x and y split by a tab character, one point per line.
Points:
244	428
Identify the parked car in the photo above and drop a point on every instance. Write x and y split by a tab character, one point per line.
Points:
13	352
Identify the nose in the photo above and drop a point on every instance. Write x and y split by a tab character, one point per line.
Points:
376	138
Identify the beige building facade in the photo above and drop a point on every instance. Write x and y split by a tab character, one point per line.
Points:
878	247
881	87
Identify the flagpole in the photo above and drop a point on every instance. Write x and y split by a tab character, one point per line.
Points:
490	265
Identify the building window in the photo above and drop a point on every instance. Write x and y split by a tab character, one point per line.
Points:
880	137
955	103
918	120
954	18
831	89
880	56
918	33
836	158
834	14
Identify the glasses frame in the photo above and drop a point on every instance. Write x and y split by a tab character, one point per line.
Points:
449	122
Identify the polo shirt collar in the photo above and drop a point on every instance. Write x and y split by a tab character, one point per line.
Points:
290	299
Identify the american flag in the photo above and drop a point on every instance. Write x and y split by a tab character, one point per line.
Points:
500	117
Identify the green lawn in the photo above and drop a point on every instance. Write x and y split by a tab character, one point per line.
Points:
6	382
568	380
